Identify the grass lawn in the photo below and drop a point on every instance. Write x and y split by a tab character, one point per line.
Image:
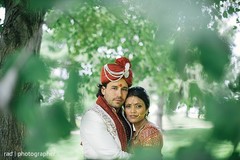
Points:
176	138
69	149
182	133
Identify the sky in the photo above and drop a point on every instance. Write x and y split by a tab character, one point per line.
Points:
2	11
236	49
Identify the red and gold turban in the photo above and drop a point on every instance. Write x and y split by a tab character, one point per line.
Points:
114	72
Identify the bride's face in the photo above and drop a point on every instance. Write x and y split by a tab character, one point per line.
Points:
135	109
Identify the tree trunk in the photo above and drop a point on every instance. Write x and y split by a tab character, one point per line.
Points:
160	112
72	116
22	31
10	136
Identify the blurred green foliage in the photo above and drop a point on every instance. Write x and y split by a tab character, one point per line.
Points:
48	125
43	124
164	40
235	85
149	153
224	114
195	151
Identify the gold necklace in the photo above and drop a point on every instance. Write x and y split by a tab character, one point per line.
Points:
141	128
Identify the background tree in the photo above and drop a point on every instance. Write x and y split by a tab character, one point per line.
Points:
21	32
21	67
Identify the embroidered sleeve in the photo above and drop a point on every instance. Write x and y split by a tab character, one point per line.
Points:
151	137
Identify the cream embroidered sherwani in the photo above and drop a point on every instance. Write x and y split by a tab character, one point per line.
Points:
99	136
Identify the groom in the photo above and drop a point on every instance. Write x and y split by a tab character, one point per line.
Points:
104	130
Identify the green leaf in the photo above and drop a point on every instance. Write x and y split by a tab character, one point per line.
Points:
50	125
214	53
225	14
231	10
34	70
